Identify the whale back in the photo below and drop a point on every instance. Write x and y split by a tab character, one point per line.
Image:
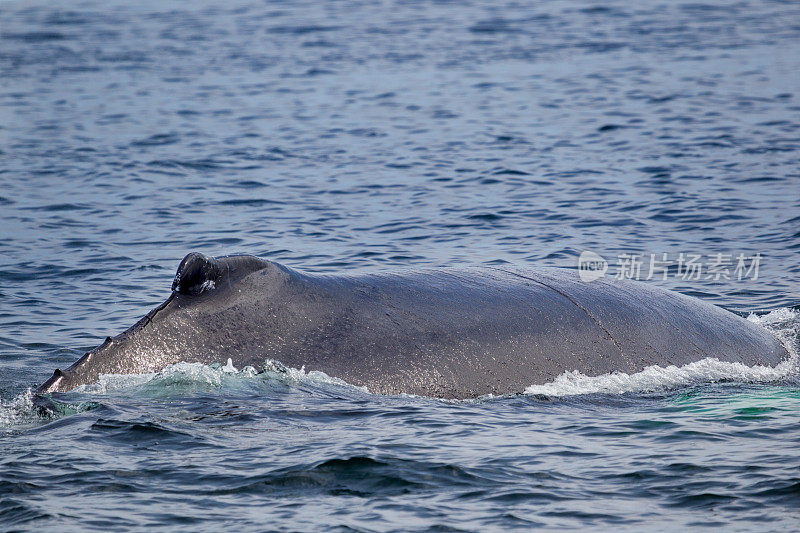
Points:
449	332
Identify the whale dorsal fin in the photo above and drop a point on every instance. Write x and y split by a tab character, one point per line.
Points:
196	273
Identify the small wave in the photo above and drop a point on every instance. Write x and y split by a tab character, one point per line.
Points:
657	378
784	320
182	378
29	409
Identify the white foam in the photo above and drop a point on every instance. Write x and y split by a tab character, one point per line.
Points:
656	378
17	411
229	368
780	322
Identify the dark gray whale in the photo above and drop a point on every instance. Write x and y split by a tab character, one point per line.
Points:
449	333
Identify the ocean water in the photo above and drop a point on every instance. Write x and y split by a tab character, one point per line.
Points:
368	135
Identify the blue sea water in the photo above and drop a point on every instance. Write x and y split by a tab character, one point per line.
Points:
366	135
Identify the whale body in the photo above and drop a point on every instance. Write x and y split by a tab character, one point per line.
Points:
444	332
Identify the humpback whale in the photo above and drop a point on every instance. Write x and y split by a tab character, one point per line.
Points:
440	332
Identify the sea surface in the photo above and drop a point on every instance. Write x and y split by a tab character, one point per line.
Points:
352	135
